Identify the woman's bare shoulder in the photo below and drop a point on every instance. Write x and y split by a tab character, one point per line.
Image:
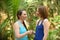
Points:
15	24
46	22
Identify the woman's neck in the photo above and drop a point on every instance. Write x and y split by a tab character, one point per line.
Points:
41	18
21	20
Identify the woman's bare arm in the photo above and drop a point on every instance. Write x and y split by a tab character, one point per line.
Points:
16	29
46	24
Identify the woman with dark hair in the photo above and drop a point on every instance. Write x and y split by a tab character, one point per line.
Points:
19	26
42	24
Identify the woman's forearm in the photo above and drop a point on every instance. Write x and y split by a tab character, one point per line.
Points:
21	35
45	36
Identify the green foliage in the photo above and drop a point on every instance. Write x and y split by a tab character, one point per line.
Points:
54	34
11	7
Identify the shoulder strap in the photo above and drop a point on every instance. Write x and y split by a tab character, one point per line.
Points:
38	22
25	25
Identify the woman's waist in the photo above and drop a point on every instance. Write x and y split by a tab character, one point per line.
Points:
23	38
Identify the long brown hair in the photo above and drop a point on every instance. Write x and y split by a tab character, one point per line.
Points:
43	11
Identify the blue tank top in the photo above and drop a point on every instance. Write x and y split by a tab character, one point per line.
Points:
39	32
22	30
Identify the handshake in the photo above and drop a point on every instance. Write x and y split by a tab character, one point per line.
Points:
31	32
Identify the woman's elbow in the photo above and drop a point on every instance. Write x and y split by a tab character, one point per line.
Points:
17	36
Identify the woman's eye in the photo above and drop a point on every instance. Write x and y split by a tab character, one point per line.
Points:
24	14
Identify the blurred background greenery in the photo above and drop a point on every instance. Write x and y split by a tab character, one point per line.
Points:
8	9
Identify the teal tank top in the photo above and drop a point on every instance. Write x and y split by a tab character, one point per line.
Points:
22	30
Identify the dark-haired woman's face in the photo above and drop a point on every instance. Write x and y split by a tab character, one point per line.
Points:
24	15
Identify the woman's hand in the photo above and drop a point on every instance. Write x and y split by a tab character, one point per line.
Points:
30	32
